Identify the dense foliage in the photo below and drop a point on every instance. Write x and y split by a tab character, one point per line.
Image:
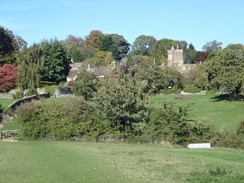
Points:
85	85
123	101
10	45
30	62
72	119
8	77
56	62
225	70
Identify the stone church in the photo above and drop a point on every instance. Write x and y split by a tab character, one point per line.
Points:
176	60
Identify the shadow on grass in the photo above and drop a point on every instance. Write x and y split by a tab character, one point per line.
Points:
219	98
227	97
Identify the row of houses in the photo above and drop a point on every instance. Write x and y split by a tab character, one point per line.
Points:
175	60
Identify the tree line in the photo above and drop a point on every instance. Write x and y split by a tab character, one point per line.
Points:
48	62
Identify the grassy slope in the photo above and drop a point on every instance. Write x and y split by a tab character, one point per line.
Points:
206	108
51	162
6	102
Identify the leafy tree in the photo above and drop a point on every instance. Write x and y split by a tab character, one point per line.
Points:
196	78
190	54
94	39
123	101
85	85
108	44
116	44
123	46
87	52
160	49
74	46
8	77
100	59
155	77
225	70
76	55
143	45
56	62
170	123
30	62
73	41
9	46
201	56
212	46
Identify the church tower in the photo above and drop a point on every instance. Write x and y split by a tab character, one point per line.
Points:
175	58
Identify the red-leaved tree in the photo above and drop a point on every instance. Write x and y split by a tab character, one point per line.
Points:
8	77
201	56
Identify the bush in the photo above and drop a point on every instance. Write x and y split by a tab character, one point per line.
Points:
73	119
170	91
169	123
51	89
240	128
192	89
18	94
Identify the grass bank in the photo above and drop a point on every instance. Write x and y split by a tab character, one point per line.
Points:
210	109
6	102
71	162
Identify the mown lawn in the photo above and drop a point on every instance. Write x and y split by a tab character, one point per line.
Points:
6	102
72	162
211	109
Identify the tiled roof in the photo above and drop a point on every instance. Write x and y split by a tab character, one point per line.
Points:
100	71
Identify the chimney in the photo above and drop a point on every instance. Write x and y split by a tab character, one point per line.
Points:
89	67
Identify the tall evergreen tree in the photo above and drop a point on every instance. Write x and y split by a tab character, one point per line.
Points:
56	62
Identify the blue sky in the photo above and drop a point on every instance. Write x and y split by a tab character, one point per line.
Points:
195	21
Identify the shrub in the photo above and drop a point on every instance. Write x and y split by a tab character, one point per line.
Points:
50	89
73	119
169	123
229	140
192	89
240	128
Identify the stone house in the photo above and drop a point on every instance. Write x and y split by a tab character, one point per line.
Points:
99	72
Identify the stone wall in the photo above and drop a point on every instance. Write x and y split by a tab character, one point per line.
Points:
8	113
63	92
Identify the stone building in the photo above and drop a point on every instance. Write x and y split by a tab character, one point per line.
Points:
176	60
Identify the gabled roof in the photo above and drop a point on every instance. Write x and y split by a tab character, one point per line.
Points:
100	71
73	73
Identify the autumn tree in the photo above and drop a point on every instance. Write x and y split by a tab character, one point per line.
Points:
225	70
201	56
8	77
94	39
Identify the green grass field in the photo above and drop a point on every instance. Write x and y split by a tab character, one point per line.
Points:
210	109
72	162
6	102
